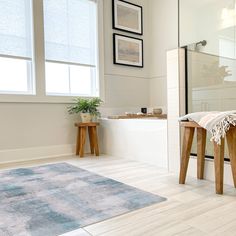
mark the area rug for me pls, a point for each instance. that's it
(54, 199)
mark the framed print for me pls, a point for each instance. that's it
(128, 51)
(127, 17)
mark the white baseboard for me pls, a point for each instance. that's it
(209, 172)
(34, 153)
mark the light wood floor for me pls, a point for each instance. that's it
(191, 209)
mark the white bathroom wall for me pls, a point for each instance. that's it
(163, 20)
(30, 130)
(176, 104)
(126, 88)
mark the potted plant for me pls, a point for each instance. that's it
(86, 107)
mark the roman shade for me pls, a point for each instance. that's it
(70, 31)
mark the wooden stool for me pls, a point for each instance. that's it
(189, 128)
(81, 137)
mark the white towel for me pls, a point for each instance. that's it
(217, 123)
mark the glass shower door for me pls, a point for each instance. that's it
(207, 31)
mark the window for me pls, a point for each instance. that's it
(16, 47)
(49, 50)
(70, 32)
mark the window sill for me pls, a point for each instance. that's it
(36, 99)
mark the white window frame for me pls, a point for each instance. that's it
(38, 62)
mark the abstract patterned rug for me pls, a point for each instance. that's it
(54, 199)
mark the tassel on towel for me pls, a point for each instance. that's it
(217, 123)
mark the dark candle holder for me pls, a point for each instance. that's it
(144, 110)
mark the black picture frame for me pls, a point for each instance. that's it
(117, 61)
(123, 28)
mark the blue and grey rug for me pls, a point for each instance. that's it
(58, 198)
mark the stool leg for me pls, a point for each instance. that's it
(201, 148)
(187, 144)
(219, 165)
(95, 140)
(82, 140)
(90, 131)
(78, 141)
(231, 140)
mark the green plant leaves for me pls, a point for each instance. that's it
(86, 105)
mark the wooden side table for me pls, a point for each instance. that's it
(189, 128)
(81, 137)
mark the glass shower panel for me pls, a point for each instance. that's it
(211, 85)
(207, 29)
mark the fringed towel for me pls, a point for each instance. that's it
(217, 123)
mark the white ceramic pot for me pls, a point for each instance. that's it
(157, 111)
(86, 117)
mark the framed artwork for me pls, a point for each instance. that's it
(127, 17)
(128, 51)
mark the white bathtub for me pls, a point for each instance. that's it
(143, 140)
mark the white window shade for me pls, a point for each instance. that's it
(15, 28)
(70, 31)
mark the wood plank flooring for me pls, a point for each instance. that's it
(191, 209)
